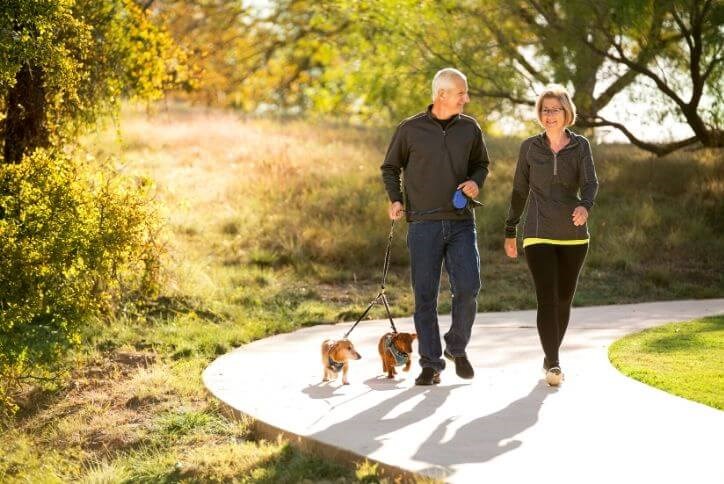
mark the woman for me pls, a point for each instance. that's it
(555, 170)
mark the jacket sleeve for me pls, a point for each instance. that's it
(395, 161)
(587, 180)
(478, 161)
(519, 196)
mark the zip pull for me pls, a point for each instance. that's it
(555, 163)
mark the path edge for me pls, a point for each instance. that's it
(309, 445)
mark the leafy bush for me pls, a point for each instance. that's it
(75, 240)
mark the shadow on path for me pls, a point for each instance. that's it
(364, 431)
(482, 439)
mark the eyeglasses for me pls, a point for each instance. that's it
(554, 111)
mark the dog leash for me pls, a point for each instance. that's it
(381, 296)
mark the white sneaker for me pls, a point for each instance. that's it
(554, 376)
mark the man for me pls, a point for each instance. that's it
(438, 152)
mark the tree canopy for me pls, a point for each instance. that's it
(65, 62)
(370, 59)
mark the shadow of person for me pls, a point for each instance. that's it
(364, 432)
(486, 437)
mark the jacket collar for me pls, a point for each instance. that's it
(542, 140)
(433, 118)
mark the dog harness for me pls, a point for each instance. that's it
(335, 366)
(400, 357)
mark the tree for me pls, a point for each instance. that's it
(79, 240)
(65, 62)
(599, 48)
(689, 42)
(373, 51)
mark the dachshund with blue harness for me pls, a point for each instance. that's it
(395, 349)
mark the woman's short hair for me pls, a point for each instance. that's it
(444, 79)
(558, 92)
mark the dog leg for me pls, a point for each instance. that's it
(344, 374)
(390, 367)
(407, 366)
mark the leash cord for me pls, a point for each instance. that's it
(381, 295)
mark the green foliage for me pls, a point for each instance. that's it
(87, 54)
(75, 244)
(373, 61)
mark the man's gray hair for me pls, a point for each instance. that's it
(444, 79)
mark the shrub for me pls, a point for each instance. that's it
(75, 239)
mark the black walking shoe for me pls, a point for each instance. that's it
(463, 368)
(428, 377)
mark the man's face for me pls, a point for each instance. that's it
(455, 97)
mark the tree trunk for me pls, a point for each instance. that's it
(25, 117)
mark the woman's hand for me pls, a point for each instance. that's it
(580, 215)
(511, 248)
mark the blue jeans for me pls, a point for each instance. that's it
(431, 242)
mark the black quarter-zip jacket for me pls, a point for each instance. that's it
(554, 184)
(433, 162)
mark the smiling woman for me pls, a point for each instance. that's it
(555, 170)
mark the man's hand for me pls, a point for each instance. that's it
(580, 215)
(395, 211)
(470, 188)
(511, 248)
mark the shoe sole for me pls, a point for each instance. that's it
(434, 381)
(452, 358)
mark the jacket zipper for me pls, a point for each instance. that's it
(555, 163)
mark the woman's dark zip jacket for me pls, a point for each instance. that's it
(554, 185)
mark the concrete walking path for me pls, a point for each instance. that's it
(506, 425)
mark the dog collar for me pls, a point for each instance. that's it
(400, 357)
(335, 366)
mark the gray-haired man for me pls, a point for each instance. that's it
(438, 152)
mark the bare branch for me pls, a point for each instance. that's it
(686, 33)
(597, 121)
(512, 50)
(501, 95)
(710, 68)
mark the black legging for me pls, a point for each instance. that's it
(555, 270)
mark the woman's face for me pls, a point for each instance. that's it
(552, 114)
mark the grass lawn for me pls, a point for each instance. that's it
(686, 359)
(273, 226)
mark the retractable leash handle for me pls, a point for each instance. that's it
(460, 202)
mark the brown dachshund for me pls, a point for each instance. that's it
(395, 349)
(335, 358)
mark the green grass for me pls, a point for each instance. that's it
(686, 359)
(272, 227)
